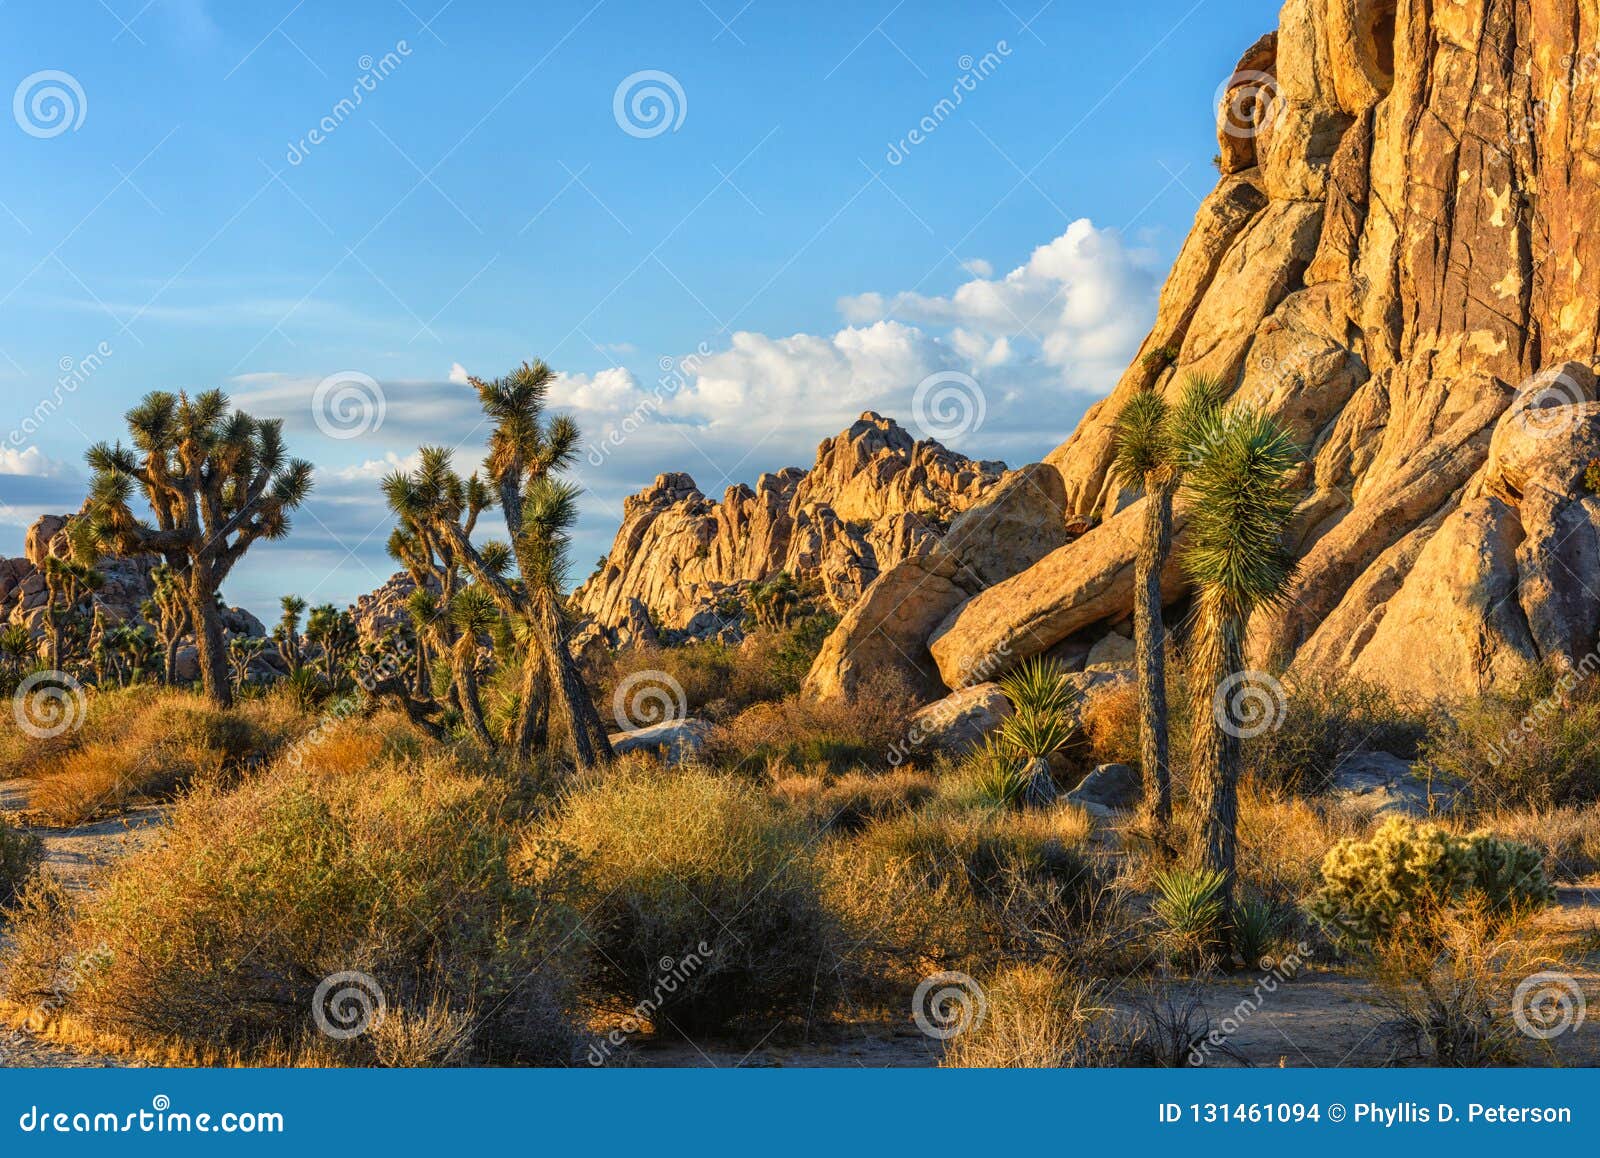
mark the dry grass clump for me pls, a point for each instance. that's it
(1033, 1017)
(702, 902)
(1568, 838)
(1324, 720)
(805, 734)
(217, 940)
(1452, 987)
(849, 802)
(1110, 718)
(146, 745)
(965, 890)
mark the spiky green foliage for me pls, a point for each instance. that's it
(1040, 685)
(995, 774)
(287, 634)
(217, 481)
(1406, 872)
(1240, 504)
(1190, 906)
(333, 632)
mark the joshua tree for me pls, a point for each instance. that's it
(168, 611)
(1154, 442)
(774, 601)
(334, 632)
(69, 581)
(1240, 487)
(217, 480)
(16, 649)
(426, 500)
(526, 454)
(242, 652)
(475, 614)
(287, 634)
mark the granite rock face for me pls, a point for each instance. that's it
(1394, 263)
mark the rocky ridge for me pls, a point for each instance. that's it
(874, 499)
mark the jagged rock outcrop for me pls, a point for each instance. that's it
(1396, 263)
(875, 497)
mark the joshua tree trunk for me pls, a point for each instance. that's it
(421, 684)
(465, 664)
(590, 745)
(1149, 644)
(1216, 753)
(209, 641)
(533, 715)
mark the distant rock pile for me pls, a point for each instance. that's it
(875, 498)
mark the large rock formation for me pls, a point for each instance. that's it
(874, 498)
(1395, 263)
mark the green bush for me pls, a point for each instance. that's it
(1406, 873)
(1535, 742)
(703, 903)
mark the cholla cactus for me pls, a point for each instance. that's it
(1407, 871)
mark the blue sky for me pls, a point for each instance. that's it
(721, 288)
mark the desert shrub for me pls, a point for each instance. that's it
(849, 802)
(948, 889)
(1110, 718)
(19, 857)
(1323, 721)
(1534, 742)
(1258, 927)
(1033, 1016)
(806, 734)
(1407, 873)
(698, 866)
(1568, 838)
(1450, 987)
(718, 679)
(223, 937)
(1283, 840)
(147, 746)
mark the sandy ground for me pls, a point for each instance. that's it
(1321, 1018)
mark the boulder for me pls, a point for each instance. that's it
(1114, 786)
(887, 630)
(1377, 783)
(961, 720)
(674, 741)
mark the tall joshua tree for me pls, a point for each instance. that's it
(1241, 494)
(1153, 447)
(69, 581)
(217, 481)
(527, 453)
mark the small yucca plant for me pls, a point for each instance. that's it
(1041, 721)
(1257, 929)
(998, 778)
(1189, 904)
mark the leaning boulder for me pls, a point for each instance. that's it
(959, 721)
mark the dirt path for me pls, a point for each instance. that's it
(71, 855)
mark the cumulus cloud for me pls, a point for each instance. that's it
(32, 462)
(458, 373)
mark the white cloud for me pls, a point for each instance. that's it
(977, 267)
(33, 463)
(458, 373)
